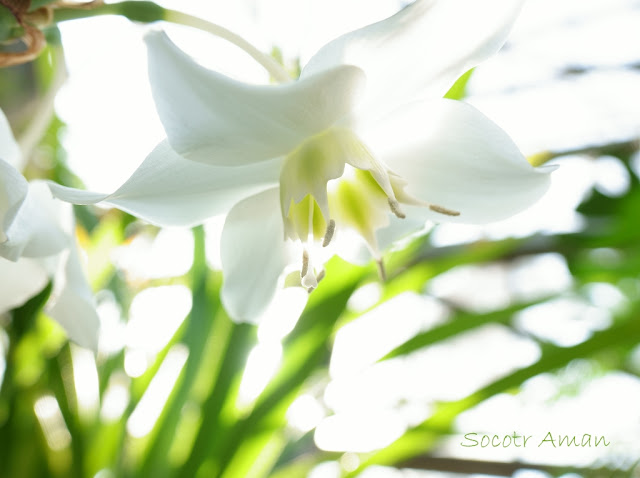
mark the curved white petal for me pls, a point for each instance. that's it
(420, 51)
(72, 304)
(454, 157)
(9, 150)
(19, 281)
(353, 248)
(253, 254)
(38, 229)
(169, 190)
(416, 221)
(13, 191)
(211, 118)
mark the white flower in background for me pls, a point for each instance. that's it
(362, 142)
(37, 245)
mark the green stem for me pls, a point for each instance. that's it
(149, 12)
(626, 146)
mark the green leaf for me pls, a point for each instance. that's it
(306, 350)
(459, 88)
(198, 328)
(25, 315)
(213, 434)
(460, 323)
(8, 24)
(426, 435)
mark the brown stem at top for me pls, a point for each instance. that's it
(34, 41)
(17, 7)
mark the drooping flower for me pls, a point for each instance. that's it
(37, 245)
(363, 141)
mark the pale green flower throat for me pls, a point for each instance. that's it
(313, 208)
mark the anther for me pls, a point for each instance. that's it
(305, 264)
(320, 276)
(443, 210)
(395, 208)
(381, 270)
(331, 228)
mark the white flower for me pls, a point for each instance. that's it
(362, 142)
(37, 245)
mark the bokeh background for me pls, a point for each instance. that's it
(526, 326)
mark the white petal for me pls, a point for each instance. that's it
(420, 51)
(169, 190)
(454, 157)
(211, 118)
(19, 281)
(254, 254)
(13, 191)
(9, 150)
(399, 229)
(72, 304)
(353, 248)
(38, 229)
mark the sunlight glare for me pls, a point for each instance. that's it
(282, 314)
(564, 321)
(135, 362)
(365, 297)
(262, 364)
(168, 254)
(611, 176)
(412, 313)
(116, 398)
(155, 315)
(305, 413)
(85, 378)
(52, 422)
(112, 326)
(150, 407)
(361, 432)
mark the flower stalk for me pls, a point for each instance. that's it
(149, 12)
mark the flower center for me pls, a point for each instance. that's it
(332, 181)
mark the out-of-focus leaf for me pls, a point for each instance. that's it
(306, 350)
(213, 433)
(25, 315)
(423, 437)
(106, 236)
(199, 324)
(412, 273)
(460, 323)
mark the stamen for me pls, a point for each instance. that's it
(443, 210)
(320, 275)
(381, 271)
(305, 264)
(331, 228)
(395, 208)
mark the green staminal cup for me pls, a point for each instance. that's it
(332, 181)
